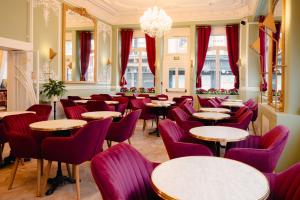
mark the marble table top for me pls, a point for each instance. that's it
(220, 110)
(211, 115)
(100, 114)
(57, 125)
(208, 178)
(219, 133)
(232, 104)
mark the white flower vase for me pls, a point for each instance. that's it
(54, 98)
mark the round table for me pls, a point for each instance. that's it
(101, 114)
(60, 127)
(218, 110)
(219, 134)
(232, 104)
(233, 100)
(209, 178)
(212, 116)
(8, 113)
(140, 97)
(112, 102)
(115, 95)
(82, 101)
(86, 98)
(163, 102)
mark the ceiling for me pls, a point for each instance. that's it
(129, 11)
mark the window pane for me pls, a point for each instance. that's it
(217, 41)
(147, 76)
(139, 42)
(209, 70)
(177, 45)
(181, 78)
(226, 76)
(132, 69)
(172, 77)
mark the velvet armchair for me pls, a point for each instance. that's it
(184, 120)
(74, 112)
(42, 111)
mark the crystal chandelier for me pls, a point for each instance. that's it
(155, 22)
(47, 5)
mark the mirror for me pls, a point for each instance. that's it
(79, 47)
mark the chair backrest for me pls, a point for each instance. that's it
(123, 103)
(245, 119)
(212, 103)
(99, 97)
(164, 96)
(180, 115)
(42, 111)
(249, 102)
(146, 100)
(218, 100)
(120, 131)
(137, 104)
(122, 173)
(286, 185)
(97, 106)
(72, 98)
(276, 137)
(170, 133)
(241, 111)
(203, 101)
(144, 95)
(254, 109)
(178, 100)
(67, 103)
(187, 106)
(75, 112)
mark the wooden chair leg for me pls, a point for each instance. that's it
(22, 161)
(13, 173)
(77, 178)
(73, 171)
(108, 143)
(69, 170)
(48, 168)
(129, 142)
(144, 125)
(39, 173)
(1, 151)
(253, 128)
(42, 167)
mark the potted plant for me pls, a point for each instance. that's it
(54, 89)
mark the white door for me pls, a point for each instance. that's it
(176, 64)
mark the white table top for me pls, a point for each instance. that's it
(57, 125)
(100, 114)
(8, 113)
(140, 97)
(85, 101)
(234, 100)
(86, 98)
(160, 105)
(115, 95)
(162, 98)
(209, 178)
(232, 104)
(220, 110)
(211, 115)
(219, 133)
(112, 102)
(163, 102)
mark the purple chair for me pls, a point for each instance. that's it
(242, 122)
(212, 103)
(162, 97)
(72, 98)
(92, 106)
(75, 112)
(184, 120)
(187, 106)
(99, 97)
(42, 111)
(123, 103)
(250, 102)
(23, 143)
(178, 143)
(203, 101)
(122, 173)
(285, 185)
(178, 100)
(261, 152)
(146, 111)
(67, 103)
(123, 130)
(76, 149)
(144, 95)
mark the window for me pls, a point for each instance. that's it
(216, 71)
(177, 78)
(138, 73)
(177, 45)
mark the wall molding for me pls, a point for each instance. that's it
(253, 89)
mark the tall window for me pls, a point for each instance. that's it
(138, 73)
(216, 72)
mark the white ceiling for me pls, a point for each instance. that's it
(129, 11)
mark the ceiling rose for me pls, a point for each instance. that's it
(155, 22)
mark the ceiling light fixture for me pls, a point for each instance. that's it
(155, 22)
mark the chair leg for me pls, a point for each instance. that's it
(48, 168)
(42, 167)
(129, 142)
(1, 151)
(73, 171)
(253, 128)
(77, 178)
(152, 123)
(13, 173)
(144, 125)
(69, 170)
(108, 143)
(39, 171)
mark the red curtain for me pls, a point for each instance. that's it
(85, 51)
(203, 39)
(126, 40)
(232, 35)
(276, 36)
(262, 38)
(151, 53)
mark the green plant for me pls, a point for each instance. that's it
(53, 88)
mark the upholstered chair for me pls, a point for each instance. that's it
(184, 120)
(146, 111)
(212, 103)
(75, 112)
(261, 152)
(123, 103)
(187, 106)
(67, 103)
(42, 111)
(124, 129)
(242, 122)
(72, 98)
(178, 143)
(122, 173)
(92, 106)
(178, 100)
(99, 97)
(23, 143)
(144, 95)
(162, 97)
(203, 101)
(76, 149)
(285, 185)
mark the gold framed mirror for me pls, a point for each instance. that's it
(79, 45)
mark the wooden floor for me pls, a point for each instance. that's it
(24, 186)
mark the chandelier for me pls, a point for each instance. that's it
(47, 5)
(155, 22)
